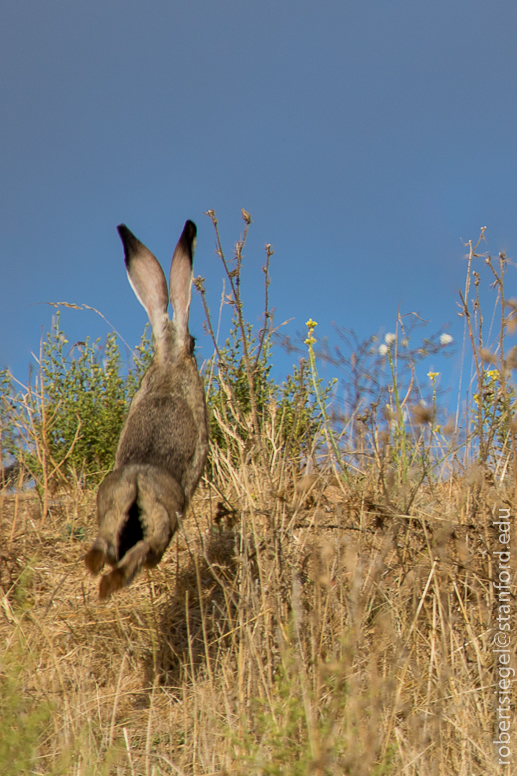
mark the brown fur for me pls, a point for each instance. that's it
(163, 445)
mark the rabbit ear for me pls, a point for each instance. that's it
(146, 278)
(180, 281)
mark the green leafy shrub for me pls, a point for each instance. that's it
(67, 423)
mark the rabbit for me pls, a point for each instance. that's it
(163, 445)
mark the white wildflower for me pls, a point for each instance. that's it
(389, 338)
(383, 349)
(445, 339)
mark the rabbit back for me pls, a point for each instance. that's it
(166, 425)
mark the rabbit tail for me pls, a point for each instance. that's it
(138, 508)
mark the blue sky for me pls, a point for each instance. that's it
(369, 139)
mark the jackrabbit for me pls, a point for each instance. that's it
(163, 445)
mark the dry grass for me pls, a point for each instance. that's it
(337, 622)
(301, 629)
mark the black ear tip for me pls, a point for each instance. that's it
(187, 241)
(129, 241)
(190, 230)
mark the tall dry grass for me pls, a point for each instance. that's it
(329, 612)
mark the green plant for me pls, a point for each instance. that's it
(23, 719)
(320, 398)
(495, 396)
(67, 423)
(251, 415)
(8, 434)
